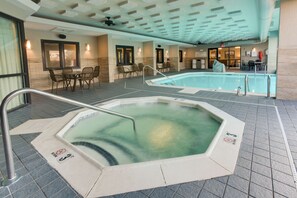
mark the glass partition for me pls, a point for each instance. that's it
(12, 69)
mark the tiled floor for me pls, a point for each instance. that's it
(263, 167)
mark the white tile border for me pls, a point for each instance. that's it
(92, 179)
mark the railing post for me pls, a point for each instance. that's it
(11, 175)
(268, 85)
(157, 72)
(246, 81)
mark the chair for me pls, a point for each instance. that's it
(56, 78)
(67, 78)
(124, 71)
(166, 66)
(141, 66)
(160, 67)
(136, 69)
(86, 76)
(96, 74)
(251, 64)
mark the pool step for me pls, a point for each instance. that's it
(114, 151)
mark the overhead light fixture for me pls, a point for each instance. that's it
(28, 44)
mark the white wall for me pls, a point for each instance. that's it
(39, 79)
(138, 53)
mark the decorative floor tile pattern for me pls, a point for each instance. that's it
(262, 170)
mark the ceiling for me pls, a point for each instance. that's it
(186, 21)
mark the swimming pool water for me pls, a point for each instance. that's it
(257, 83)
(163, 131)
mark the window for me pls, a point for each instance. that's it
(60, 54)
(125, 55)
(13, 61)
(180, 56)
(160, 55)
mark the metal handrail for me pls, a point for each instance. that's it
(246, 82)
(11, 175)
(268, 85)
(156, 71)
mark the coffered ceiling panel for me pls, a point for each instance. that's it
(188, 21)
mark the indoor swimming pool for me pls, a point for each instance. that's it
(230, 82)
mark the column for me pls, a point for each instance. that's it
(287, 52)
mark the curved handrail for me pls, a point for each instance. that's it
(11, 175)
(156, 71)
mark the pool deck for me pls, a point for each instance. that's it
(263, 168)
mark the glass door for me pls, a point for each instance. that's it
(12, 70)
(212, 56)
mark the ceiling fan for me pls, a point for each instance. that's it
(109, 22)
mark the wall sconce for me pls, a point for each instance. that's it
(167, 53)
(254, 49)
(28, 44)
(139, 50)
(185, 53)
(87, 47)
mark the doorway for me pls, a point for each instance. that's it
(229, 56)
(212, 56)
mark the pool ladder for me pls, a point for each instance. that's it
(11, 175)
(143, 80)
(246, 84)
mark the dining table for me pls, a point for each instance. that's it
(73, 76)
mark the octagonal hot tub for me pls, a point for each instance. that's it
(176, 141)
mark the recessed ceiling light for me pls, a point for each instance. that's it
(155, 15)
(192, 20)
(218, 9)
(174, 10)
(211, 16)
(175, 17)
(240, 21)
(194, 13)
(226, 19)
(235, 13)
(151, 7)
(96, 16)
(197, 4)
(139, 19)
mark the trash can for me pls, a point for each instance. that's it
(194, 65)
(199, 63)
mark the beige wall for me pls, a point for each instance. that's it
(39, 79)
(201, 52)
(287, 51)
(259, 47)
(149, 55)
(174, 57)
(138, 53)
(182, 65)
(104, 60)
